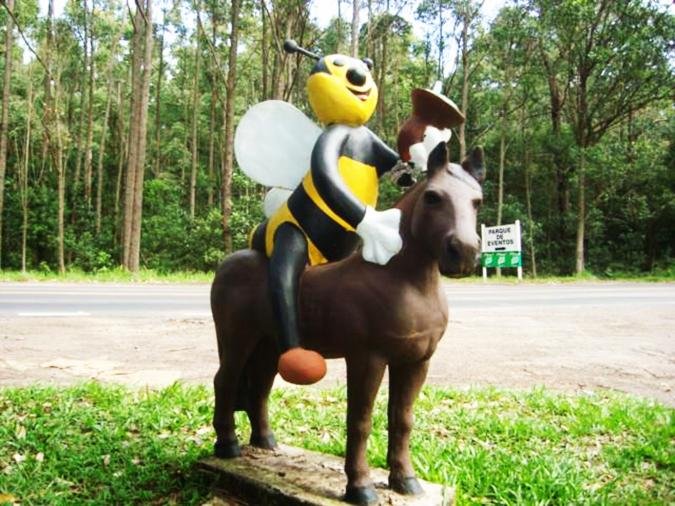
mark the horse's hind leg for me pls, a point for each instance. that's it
(225, 385)
(405, 382)
(364, 375)
(228, 391)
(261, 370)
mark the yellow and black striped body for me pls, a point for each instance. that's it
(328, 205)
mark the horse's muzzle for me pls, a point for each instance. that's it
(458, 258)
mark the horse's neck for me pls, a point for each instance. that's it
(413, 262)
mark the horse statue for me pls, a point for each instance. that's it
(372, 315)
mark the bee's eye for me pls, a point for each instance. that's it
(338, 62)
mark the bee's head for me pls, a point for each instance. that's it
(341, 88)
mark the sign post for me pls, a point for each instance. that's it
(500, 247)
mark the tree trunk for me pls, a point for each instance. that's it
(228, 113)
(441, 44)
(502, 160)
(61, 185)
(53, 128)
(90, 111)
(339, 27)
(581, 218)
(134, 260)
(23, 172)
(120, 160)
(265, 52)
(104, 133)
(212, 143)
(4, 121)
(215, 86)
(83, 86)
(355, 28)
(500, 183)
(382, 75)
(461, 136)
(194, 137)
(132, 145)
(369, 31)
(528, 199)
(158, 101)
(142, 61)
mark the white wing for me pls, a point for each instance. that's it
(273, 144)
(274, 199)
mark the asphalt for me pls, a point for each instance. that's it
(571, 337)
(132, 300)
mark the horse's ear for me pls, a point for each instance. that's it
(474, 165)
(438, 158)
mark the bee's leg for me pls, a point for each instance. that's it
(288, 260)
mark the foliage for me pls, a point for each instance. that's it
(93, 444)
(609, 64)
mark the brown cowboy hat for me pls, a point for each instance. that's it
(436, 109)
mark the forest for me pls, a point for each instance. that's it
(118, 119)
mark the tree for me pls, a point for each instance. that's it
(196, 100)
(615, 63)
(90, 105)
(141, 70)
(524, 104)
(467, 13)
(228, 125)
(354, 48)
(23, 171)
(4, 120)
(104, 134)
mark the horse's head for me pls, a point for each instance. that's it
(444, 215)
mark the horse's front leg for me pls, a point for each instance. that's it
(364, 375)
(405, 382)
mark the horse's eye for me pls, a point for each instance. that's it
(477, 203)
(431, 198)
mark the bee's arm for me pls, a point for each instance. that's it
(384, 158)
(327, 179)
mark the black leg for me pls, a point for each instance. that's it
(288, 260)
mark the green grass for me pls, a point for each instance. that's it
(118, 275)
(96, 444)
(509, 276)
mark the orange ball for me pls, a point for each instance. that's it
(301, 366)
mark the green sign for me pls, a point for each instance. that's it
(501, 259)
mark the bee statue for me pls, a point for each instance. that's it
(324, 189)
(382, 307)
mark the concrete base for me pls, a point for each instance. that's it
(290, 476)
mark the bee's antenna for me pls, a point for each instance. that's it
(290, 46)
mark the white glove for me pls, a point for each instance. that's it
(419, 152)
(379, 231)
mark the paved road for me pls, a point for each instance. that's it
(566, 336)
(133, 300)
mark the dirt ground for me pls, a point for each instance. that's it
(631, 349)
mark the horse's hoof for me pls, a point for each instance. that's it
(265, 442)
(406, 486)
(363, 496)
(226, 450)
